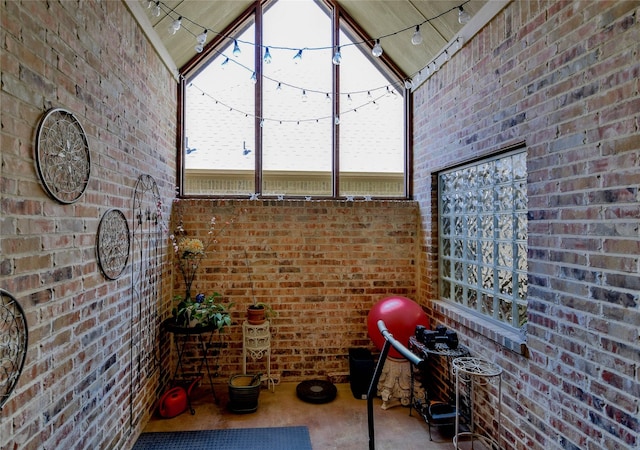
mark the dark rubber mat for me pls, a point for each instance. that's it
(280, 438)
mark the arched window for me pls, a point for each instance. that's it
(267, 112)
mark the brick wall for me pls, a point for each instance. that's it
(321, 265)
(562, 77)
(91, 58)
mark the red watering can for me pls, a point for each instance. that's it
(175, 401)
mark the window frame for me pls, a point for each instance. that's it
(338, 17)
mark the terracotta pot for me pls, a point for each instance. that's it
(256, 316)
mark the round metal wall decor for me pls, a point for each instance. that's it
(13, 344)
(62, 156)
(112, 243)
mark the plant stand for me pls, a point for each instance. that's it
(181, 335)
(474, 379)
(257, 345)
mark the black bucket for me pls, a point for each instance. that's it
(361, 368)
(244, 391)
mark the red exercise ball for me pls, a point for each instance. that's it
(400, 315)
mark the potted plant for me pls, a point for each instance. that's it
(204, 311)
(257, 312)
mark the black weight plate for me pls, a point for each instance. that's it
(316, 391)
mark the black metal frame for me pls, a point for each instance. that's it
(405, 352)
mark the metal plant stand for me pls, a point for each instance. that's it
(475, 377)
(257, 345)
(182, 337)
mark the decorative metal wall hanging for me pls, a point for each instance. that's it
(112, 243)
(62, 156)
(13, 344)
(146, 270)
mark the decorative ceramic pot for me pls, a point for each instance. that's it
(244, 391)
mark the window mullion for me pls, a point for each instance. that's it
(335, 151)
(259, 108)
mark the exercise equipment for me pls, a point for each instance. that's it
(401, 315)
(389, 341)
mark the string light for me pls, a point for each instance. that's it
(236, 48)
(201, 40)
(377, 49)
(463, 16)
(156, 7)
(373, 102)
(337, 57)
(175, 26)
(416, 39)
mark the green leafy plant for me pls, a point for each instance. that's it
(204, 311)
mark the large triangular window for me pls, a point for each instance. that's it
(266, 112)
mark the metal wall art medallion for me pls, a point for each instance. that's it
(13, 344)
(62, 156)
(112, 243)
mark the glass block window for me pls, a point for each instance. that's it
(483, 238)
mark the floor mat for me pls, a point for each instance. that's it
(280, 438)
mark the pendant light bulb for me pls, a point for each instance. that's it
(298, 57)
(175, 25)
(463, 16)
(254, 78)
(201, 39)
(408, 84)
(337, 120)
(157, 11)
(236, 49)
(416, 39)
(377, 49)
(337, 57)
(267, 56)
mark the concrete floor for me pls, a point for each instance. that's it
(338, 425)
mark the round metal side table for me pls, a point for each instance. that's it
(478, 379)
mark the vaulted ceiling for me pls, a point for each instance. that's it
(392, 20)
